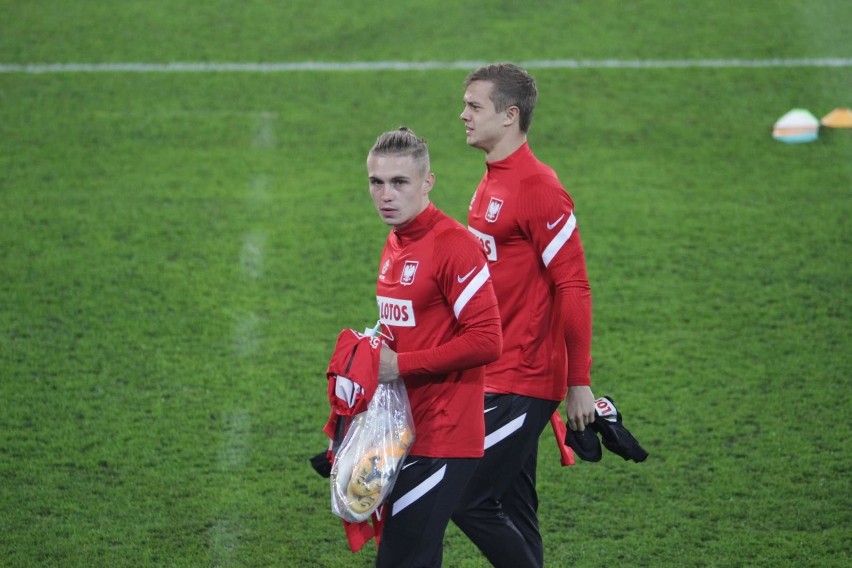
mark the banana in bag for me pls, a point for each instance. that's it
(367, 462)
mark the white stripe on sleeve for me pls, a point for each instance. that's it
(472, 288)
(419, 491)
(559, 240)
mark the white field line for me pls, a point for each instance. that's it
(264, 136)
(283, 67)
(233, 454)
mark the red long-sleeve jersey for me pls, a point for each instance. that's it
(438, 310)
(525, 221)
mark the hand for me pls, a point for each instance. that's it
(580, 407)
(388, 367)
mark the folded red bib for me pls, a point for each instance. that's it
(353, 372)
(353, 375)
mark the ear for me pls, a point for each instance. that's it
(512, 114)
(428, 183)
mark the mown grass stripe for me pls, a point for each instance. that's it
(283, 67)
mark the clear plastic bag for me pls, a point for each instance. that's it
(367, 462)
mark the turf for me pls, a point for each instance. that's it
(179, 251)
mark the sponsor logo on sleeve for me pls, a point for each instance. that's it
(461, 278)
(551, 226)
(393, 311)
(470, 289)
(559, 240)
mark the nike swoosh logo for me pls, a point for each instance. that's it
(487, 410)
(409, 464)
(466, 276)
(551, 225)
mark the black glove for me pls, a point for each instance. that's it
(585, 444)
(616, 438)
(321, 464)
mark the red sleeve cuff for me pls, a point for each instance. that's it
(579, 381)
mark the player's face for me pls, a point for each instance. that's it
(484, 126)
(399, 187)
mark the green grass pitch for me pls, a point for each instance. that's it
(179, 250)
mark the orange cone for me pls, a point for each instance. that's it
(838, 118)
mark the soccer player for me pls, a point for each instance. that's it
(440, 319)
(525, 222)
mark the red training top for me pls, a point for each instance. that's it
(525, 221)
(438, 309)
